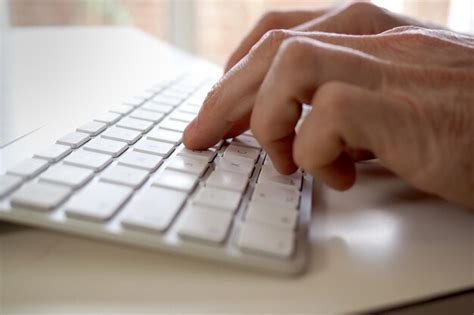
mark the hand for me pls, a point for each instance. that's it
(405, 96)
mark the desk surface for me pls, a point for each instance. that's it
(377, 245)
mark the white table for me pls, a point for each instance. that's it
(377, 245)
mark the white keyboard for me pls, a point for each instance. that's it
(126, 177)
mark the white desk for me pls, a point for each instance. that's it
(363, 257)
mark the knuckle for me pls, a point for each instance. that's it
(402, 29)
(418, 36)
(269, 42)
(411, 35)
(361, 8)
(275, 36)
(294, 49)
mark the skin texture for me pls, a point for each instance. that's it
(380, 85)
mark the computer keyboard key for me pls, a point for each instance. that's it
(167, 100)
(267, 161)
(123, 175)
(189, 109)
(122, 109)
(146, 95)
(158, 134)
(106, 146)
(276, 194)
(169, 92)
(246, 141)
(153, 210)
(40, 196)
(260, 212)
(92, 128)
(242, 152)
(265, 239)
(218, 145)
(135, 124)
(74, 139)
(156, 107)
(139, 160)
(29, 168)
(70, 176)
(270, 174)
(91, 160)
(9, 183)
(138, 100)
(235, 164)
(227, 180)
(97, 202)
(181, 116)
(188, 164)
(249, 133)
(54, 152)
(159, 87)
(154, 147)
(204, 224)
(207, 155)
(180, 90)
(225, 200)
(173, 125)
(147, 115)
(108, 118)
(184, 182)
(121, 134)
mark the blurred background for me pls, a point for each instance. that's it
(209, 28)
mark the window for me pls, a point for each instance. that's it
(209, 28)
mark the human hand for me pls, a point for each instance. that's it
(405, 96)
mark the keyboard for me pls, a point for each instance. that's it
(126, 177)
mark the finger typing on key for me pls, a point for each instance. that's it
(380, 85)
